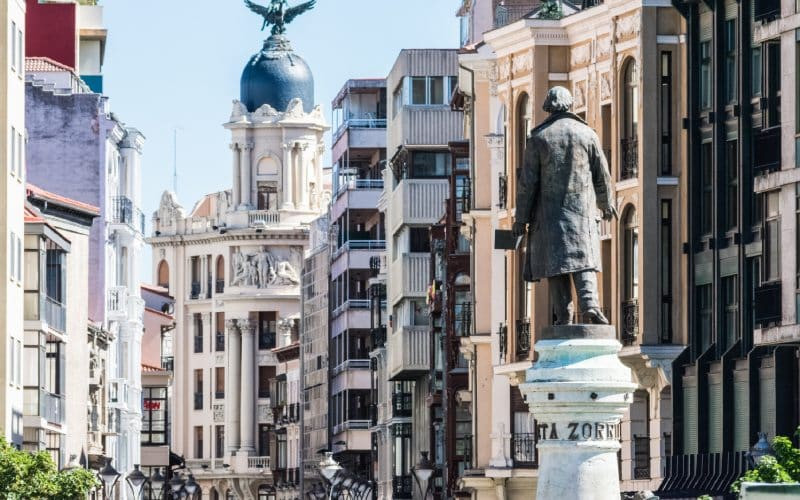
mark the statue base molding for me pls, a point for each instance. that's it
(578, 391)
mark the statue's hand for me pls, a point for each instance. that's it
(519, 229)
(610, 213)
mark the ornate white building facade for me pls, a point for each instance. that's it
(234, 266)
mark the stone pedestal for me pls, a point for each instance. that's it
(578, 391)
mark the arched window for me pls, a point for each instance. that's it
(229, 495)
(220, 274)
(163, 274)
(630, 277)
(523, 126)
(213, 494)
(630, 121)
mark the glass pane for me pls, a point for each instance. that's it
(437, 90)
(418, 91)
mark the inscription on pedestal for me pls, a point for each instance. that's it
(579, 431)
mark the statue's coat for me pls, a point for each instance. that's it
(564, 180)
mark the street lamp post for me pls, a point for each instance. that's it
(422, 473)
(109, 477)
(330, 468)
(157, 481)
(136, 480)
(759, 450)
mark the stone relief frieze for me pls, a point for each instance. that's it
(628, 26)
(581, 55)
(522, 62)
(605, 86)
(504, 69)
(603, 48)
(265, 414)
(266, 269)
(579, 94)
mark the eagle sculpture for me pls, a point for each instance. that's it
(279, 14)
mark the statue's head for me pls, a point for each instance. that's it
(558, 100)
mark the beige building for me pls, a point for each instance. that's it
(12, 155)
(623, 62)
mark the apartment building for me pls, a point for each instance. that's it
(623, 62)
(314, 356)
(420, 125)
(739, 374)
(234, 265)
(78, 149)
(359, 158)
(70, 33)
(56, 381)
(12, 154)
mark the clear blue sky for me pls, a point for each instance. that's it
(176, 64)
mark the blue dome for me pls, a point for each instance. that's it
(275, 76)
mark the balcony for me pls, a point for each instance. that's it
(40, 307)
(502, 192)
(257, 218)
(709, 473)
(117, 303)
(220, 288)
(362, 304)
(629, 161)
(767, 299)
(463, 319)
(523, 339)
(641, 457)
(411, 278)
(356, 194)
(630, 321)
(195, 292)
(355, 254)
(402, 486)
(123, 211)
(767, 10)
(417, 201)
(523, 450)
(48, 406)
(505, 15)
(198, 400)
(379, 337)
(219, 342)
(409, 353)
(261, 463)
(198, 344)
(351, 425)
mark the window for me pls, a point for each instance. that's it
(265, 375)
(397, 100)
(436, 89)
(20, 52)
(453, 84)
(198, 389)
(770, 101)
(402, 449)
(629, 152)
(429, 164)
(198, 442)
(704, 310)
(267, 330)
(631, 254)
(706, 189)
(419, 90)
(12, 165)
(12, 257)
(705, 75)
(771, 237)
(154, 415)
(13, 46)
(267, 196)
(198, 333)
(755, 69)
(419, 240)
(730, 296)
(263, 440)
(666, 271)
(730, 60)
(523, 127)
(731, 186)
(282, 451)
(666, 113)
(430, 91)
(219, 339)
(219, 441)
(20, 155)
(219, 377)
(418, 313)
(163, 274)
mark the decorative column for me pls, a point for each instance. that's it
(578, 391)
(246, 195)
(302, 183)
(236, 176)
(248, 408)
(233, 389)
(288, 171)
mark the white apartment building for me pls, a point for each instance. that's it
(12, 157)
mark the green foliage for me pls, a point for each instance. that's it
(784, 467)
(551, 9)
(34, 476)
(705, 497)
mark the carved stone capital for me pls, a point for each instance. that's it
(230, 325)
(247, 326)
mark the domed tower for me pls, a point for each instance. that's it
(277, 131)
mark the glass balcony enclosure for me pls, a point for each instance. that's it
(45, 277)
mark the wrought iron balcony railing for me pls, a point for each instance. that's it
(198, 400)
(401, 486)
(523, 450)
(502, 192)
(630, 321)
(195, 293)
(123, 211)
(629, 167)
(523, 339)
(402, 404)
(219, 342)
(502, 332)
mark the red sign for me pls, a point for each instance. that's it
(149, 404)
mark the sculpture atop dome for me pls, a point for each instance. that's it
(279, 14)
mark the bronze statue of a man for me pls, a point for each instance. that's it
(563, 183)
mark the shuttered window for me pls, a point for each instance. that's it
(714, 413)
(741, 411)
